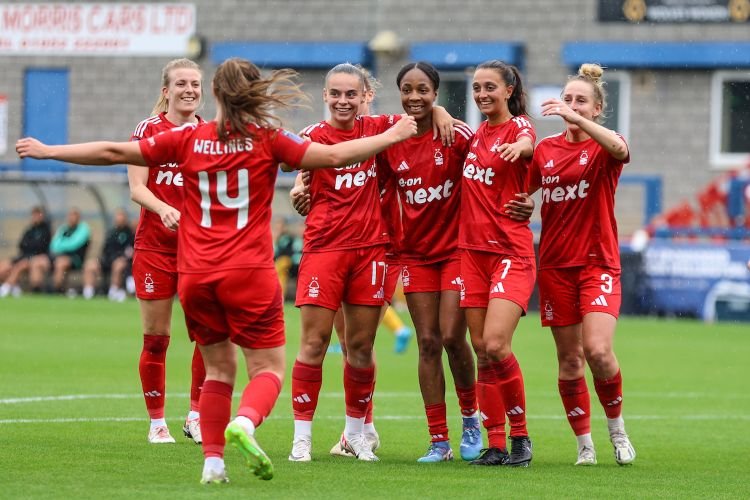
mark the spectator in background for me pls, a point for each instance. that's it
(287, 252)
(33, 247)
(67, 249)
(117, 254)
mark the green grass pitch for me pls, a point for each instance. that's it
(73, 423)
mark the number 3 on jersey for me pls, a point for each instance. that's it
(240, 202)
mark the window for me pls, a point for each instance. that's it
(730, 119)
(617, 114)
(456, 97)
(46, 111)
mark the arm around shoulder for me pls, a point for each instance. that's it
(348, 152)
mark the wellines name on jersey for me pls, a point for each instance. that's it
(209, 147)
(563, 193)
(426, 194)
(356, 179)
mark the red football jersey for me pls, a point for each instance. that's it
(428, 179)
(578, 181)
(345, 208)
(228, 188)
(391, 208)
(489, 183)
(165, 181)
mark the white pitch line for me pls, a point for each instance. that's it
(80, 397)
(63, 420)
(340, 395)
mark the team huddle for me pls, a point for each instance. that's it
(385, 198)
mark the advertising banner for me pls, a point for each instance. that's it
(104, 29)
(674, 11)
(694, 278)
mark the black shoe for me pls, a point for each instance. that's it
(491, 456)
(520, 451)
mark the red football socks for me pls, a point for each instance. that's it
(151, 367)
(215, 408)
(368, 415)
(610, 394)
(259, 397)
(491, 407)
(577, 404)
(437, 422)
(306, 382)
(467, 400)
(358, 387)
(198, 370)
(510, 380)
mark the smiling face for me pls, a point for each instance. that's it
(344, 94)
(184, 91)
(491, 94)
(418, 94)
(579, 95)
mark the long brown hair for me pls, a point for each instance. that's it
(162, 104)
(245, 97)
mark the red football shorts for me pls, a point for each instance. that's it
(489, 275)
(392, 275)
(155, 275)
(435, 277)
(355, 276)
(243, 305)
(566, 295)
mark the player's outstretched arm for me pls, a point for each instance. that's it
(86, 153)
(348, 152)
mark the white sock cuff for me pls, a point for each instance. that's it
(302, 428)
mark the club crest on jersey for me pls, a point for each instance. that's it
(461, 286)
(405, 277)
(148, 283)
(313, 289)
(584, 158)
(438, 158)
(495, 146)
(549, 313)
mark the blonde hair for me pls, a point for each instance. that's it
(245, 97)
(591, 73)
(372, 84)
(348, 69)
(162, 104)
